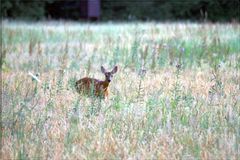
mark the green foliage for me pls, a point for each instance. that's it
(213, 10)
(171, 111)
(23, 9)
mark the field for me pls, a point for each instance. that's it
(176, 94)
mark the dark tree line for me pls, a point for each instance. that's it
(197, 10)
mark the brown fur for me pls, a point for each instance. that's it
(98, 88)
(91, 86)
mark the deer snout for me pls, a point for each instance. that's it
(109, 78)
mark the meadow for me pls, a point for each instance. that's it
(176, 94)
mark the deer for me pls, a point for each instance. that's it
(94, 87)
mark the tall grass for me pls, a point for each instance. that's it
(176, 95)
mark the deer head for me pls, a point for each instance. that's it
(109, 75)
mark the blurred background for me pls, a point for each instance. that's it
(122, 10)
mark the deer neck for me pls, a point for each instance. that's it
(105, 84)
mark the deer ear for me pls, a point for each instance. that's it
(114, 70)
(103, 69)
